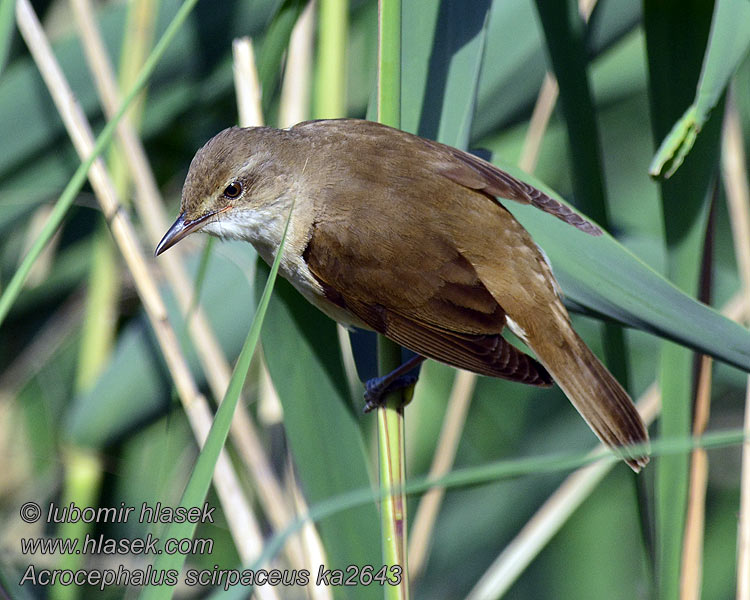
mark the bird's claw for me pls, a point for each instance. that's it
(378, 388)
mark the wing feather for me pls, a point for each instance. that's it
(445, 312)
(477, 174)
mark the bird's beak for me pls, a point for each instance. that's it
(180, 228)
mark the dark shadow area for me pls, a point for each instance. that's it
(456, 26)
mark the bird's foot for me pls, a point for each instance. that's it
(378, 388)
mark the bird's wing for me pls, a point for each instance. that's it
(461, 167)
(434, 305)
(477, 174)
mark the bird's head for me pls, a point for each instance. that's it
(233, 180)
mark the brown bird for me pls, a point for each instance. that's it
(405, 236)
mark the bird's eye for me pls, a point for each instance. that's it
(233, 190)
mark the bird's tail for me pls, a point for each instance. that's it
(595, 393)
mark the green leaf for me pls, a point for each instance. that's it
(275, 43)
(442, 61)
(727, 46)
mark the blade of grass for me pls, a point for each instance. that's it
(390, 414)
(329, 93)
(200, 479)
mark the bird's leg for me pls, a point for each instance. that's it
(377, 388)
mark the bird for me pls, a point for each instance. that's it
(408, 237)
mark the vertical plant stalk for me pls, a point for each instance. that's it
(246, 84)
(82, 481)
(738, 196)
(104, 282)
(329, 100)
(391, 413)
(675, 49)
(392, 478)
(445, 453)
(294, 103)
(691, 575)
(542, 113)
(695, 517)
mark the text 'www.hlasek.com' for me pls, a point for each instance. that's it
(110, 561)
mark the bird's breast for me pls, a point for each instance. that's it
(295, 270)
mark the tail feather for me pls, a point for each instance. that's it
(596, 394)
